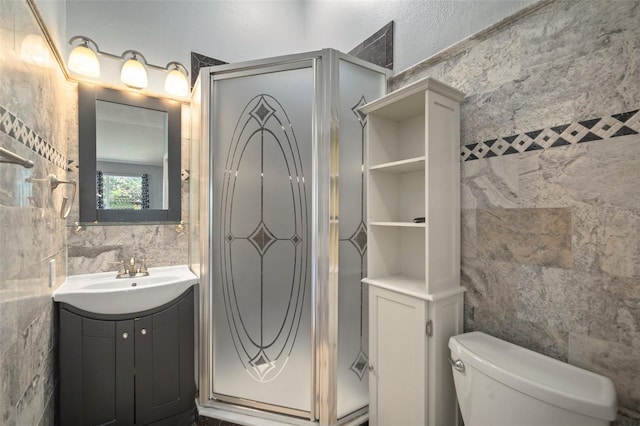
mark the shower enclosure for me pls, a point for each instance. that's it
(278, 234)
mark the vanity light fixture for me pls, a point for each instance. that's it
(133, 72)
(176, 81)
(83, 60)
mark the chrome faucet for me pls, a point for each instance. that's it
(131, 270)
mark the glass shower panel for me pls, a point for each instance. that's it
(357, 86)
(261, 295)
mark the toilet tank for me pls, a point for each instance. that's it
(505, 384)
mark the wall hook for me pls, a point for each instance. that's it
(180, 226)
(65, 209)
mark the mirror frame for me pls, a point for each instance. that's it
(87, 97)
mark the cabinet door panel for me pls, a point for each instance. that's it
(164, 363)
(95, 389)
(398, 356)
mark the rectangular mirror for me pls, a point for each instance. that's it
(129, 156)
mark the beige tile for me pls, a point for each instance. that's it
(528, 236)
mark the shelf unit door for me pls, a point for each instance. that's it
(446, 316)
(397, 350)
(442, 180)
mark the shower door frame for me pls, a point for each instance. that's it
(324, 234)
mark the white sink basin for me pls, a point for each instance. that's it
(103, 293)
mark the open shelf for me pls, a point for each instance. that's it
(402, 166)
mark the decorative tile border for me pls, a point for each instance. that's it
(15, 128)
(627, 123)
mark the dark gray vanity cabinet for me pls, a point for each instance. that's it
(128, 369)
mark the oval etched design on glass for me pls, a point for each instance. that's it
(264, 244)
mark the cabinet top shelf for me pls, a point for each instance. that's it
(411, 286)
(409, 101)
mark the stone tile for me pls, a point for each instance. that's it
(627, 418)
(528, 236)
(537, 337)
(564, 299)
(489, 183)
(614, 360)
(618, 70)
(622, 296)
(468, 233)
(489, 115)
(613, 171)
(570, 30)
(554, 98)
(618, 245)
(491, 289)
(584, 239)
(49, 416)
(556, 177)
(98, 245)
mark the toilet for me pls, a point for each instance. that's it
(500, 384)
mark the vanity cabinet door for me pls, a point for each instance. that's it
(165, 383)
(96, 371)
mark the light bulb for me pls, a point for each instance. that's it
(176, 83)
(134, 74)
(84, 61)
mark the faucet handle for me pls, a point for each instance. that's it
(132, 266)
(120, 264)
(143, 266)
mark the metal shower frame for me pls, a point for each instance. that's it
(324, 244)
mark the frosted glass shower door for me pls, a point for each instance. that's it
(261, 297)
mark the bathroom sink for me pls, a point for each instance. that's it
(103, 293)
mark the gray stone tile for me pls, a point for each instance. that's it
(619, 245)
(610, 359)
(564, 299)
(99, 245)
(554, 98)
(491, 289)
(468, 233)
(489, 183)
(627, 418)
(622, 296)
(618, 70)
(489, 115)
(584, 239)
(528, 236)
(613, 171)
(556, 177)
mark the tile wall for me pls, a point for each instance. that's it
(34, 123)
(550, 169)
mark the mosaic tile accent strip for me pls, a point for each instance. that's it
(16, 129)
(597, 129)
